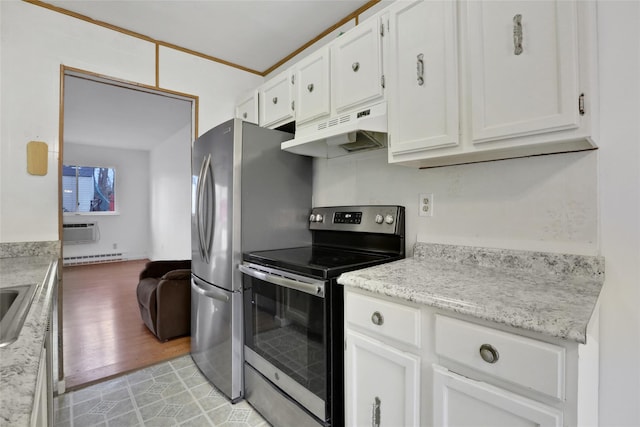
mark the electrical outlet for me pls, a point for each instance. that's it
(426, 204)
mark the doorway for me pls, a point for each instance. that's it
(137, 139)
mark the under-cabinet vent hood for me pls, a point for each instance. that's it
(361, 130)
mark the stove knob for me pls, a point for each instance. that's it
(388, 219)
(379, 219)
(319, 218)
(312, 218)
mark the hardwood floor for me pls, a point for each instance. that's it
(103, 333)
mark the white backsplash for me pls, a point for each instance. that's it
(544, 203)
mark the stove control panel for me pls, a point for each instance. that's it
(366, 219)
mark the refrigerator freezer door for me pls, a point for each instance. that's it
(216, 336)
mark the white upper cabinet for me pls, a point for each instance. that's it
(517, 78)
(312, 87)
(276, 100)
(356, 66)
(523, 64)
(422, 76)
(247, 107)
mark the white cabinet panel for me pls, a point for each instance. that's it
(423, 76)
(382, 384)
(460, 401)
(384, 318)
(247, 108)
(276, 100)
(356, 64)
(312, 88)
(533, 364)
(523, 64)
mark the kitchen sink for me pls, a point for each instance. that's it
(15, 302)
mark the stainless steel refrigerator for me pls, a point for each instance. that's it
(247, 194)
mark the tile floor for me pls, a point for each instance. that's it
(171, 393)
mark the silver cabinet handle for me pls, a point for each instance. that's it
(244, 115)
(310, 87)
(355, 67)
(517, 34)
(375, 412)
(420, 69)
(293, 105)
(377, 318)
(488, 353)
(275, 100)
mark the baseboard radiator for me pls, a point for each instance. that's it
(82, 232)
(94, 259)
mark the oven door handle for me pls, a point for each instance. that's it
(316, 289)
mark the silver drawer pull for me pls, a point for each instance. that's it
(244, 115)
(420, 69)
(517, 34)
(275, 100)
(375, 412)
(488, 353)
(310, 87)
(377, 318)
(355, 66)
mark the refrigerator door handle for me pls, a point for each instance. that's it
(210, 208)
(203, 210)
(199, 213)
(220, 296)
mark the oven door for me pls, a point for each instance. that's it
(286, 333)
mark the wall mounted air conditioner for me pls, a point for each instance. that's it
(85, 232)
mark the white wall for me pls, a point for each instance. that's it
(619, 201)
(128, 231)
(170, 193)
(34, 42)
(538, 203)
(217, 85)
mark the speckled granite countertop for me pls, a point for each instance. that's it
(20, 360)
(552, 294)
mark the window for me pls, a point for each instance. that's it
(88, 189)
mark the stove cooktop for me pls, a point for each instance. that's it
(317, 261)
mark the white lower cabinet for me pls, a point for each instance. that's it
(410, 365)
(460, 401)
(382, 384)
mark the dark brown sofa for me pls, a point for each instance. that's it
(164, 298)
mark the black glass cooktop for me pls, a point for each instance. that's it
(317, 261)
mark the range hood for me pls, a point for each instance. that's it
(354, 132)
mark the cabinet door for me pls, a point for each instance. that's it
(460, 401)
(276, 100)
(523, 67)
(247, 108)
(312, 88)
(382, 384)
(356, 64)
(423, 76)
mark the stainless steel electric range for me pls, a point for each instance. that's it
(293, 312)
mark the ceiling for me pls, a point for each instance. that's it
(107, 115)
(255, 34)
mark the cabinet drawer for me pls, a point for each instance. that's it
(524, 361)
(384, 318)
